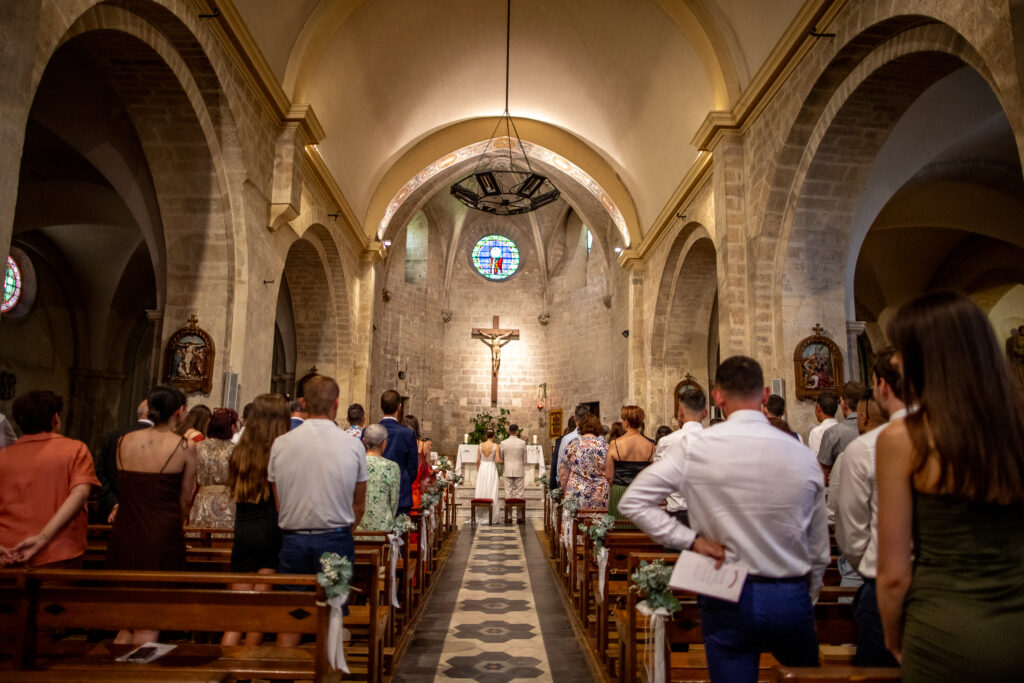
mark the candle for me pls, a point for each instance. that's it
(465, 438)
(534, 439)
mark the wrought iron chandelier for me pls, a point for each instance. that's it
(512, 190)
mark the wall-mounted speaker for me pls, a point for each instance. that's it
(779, 386)
(231, 390)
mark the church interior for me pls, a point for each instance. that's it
(733, 177)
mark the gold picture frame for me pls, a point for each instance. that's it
(555, 423)
(817, 366)
(188, 359)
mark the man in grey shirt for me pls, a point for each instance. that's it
(837, 438)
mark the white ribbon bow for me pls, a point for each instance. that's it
(335, 634)
(554, 514)
(602, 566)
(655, 661)
(566, 529)
(424, 544)
(396, 544)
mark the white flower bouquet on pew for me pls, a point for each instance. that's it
(334, 575)
(651, 579)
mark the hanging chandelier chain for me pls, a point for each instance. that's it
(505, 192)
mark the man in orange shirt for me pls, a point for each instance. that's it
(45, 480)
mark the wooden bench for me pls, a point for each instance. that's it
(173, 601)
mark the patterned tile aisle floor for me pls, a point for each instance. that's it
(495, 617)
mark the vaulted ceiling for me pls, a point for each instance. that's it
(618, 87)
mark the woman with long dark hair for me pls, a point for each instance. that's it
(951, 500)
(156, 480)
(424, 474)
(257, 540)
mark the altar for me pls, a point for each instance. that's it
(465, 462)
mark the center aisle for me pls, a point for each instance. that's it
(496, 616)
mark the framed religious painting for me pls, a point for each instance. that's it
(554, 423)
(188, 359)
(689, 382)
(818, 365)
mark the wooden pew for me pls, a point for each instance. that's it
(373, 626)
(176, 601)
(619, 544)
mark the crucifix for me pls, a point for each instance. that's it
(495, 338)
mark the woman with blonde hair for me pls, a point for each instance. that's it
(951, 499)
(257, 536)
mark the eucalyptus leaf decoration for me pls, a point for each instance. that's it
(598, 530)
(651, 579)
(430, 498)
(555, 495)
(334, 575)
(571, 505)
(402, 524)
(457, 478)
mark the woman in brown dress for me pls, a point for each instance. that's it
(156, 477)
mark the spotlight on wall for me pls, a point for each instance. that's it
(618, 250)
(625, 333)
(401, 374)
(387, 243)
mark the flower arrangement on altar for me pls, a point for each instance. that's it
(598, 530)
(651, 579)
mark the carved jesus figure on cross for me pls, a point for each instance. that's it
(495, 338)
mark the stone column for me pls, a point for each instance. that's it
(156, 316)
(854, 328)
(92, 410)
(734, 268)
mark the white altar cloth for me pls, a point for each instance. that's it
(467, 455)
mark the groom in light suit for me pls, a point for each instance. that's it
(513, 452)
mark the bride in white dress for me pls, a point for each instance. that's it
(487, 457)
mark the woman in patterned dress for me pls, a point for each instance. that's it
(383, 482)
(583, 472)
(213, 507)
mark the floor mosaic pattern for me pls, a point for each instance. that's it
(496, 616)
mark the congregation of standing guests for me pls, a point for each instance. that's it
(926, 492)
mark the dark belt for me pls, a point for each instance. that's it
(314, 532)
(771, 579)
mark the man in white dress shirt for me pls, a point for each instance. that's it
(693, 408)
(857, 514)
(756, 497)
(825, 413)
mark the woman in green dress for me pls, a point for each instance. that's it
(951, 500)
(383, 480)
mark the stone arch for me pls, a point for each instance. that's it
(308, 275)
(836, 137)
(881, 65)
(161, 151)
(683, 315)
(156, 58)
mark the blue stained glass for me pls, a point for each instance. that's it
(496, 257)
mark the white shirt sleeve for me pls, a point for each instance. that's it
(818, 544)
(640, 502)
(853, 509)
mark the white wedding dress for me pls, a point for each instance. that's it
(486, 483)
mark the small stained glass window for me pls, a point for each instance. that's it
(496, 257)
(12, 285)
